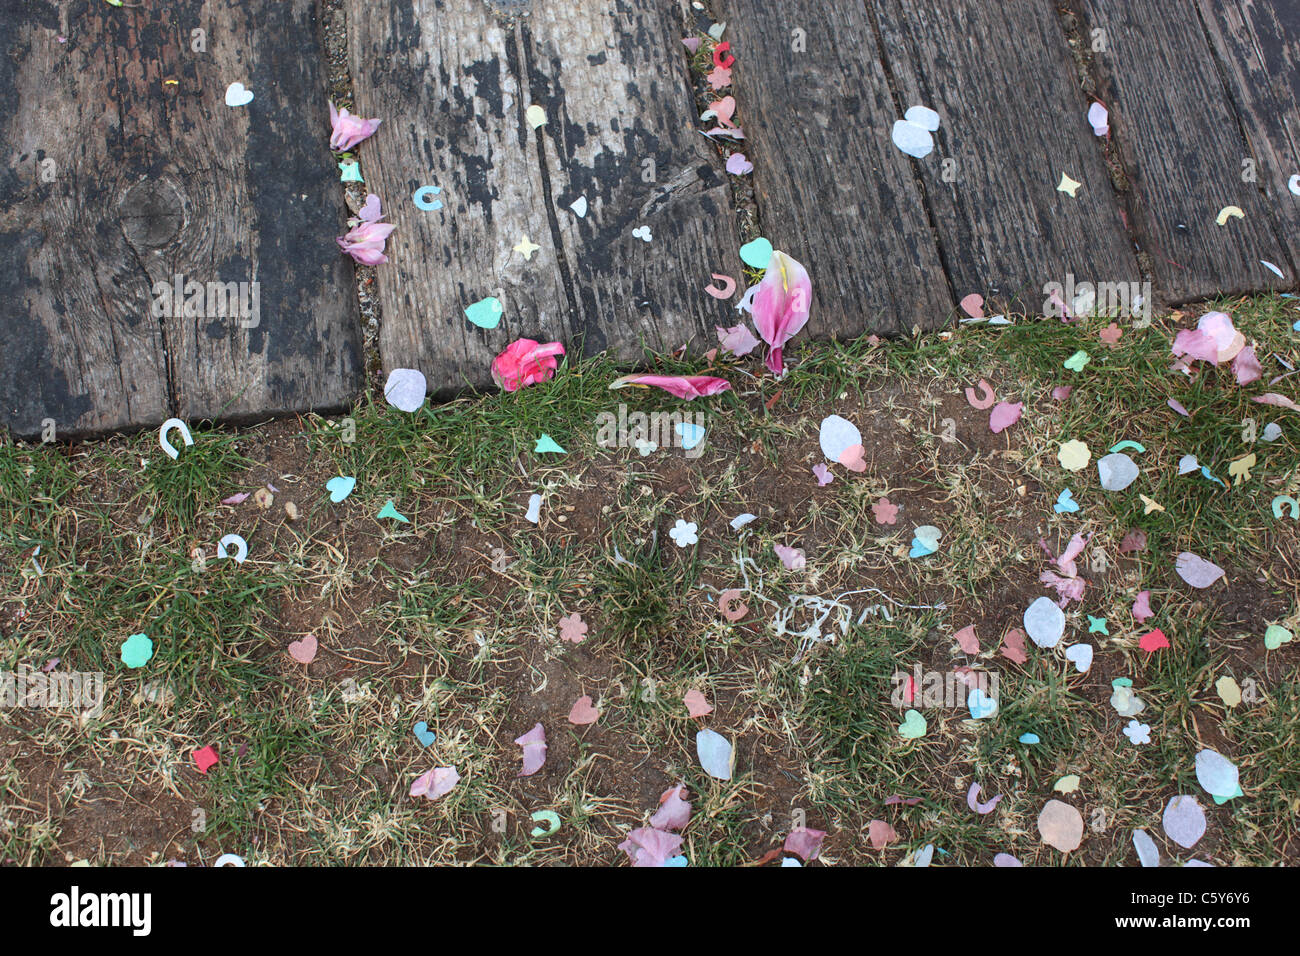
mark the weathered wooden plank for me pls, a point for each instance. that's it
(452, 80)
(155, 177)
(1012, 122)
(1183, 151)
(831, 187)
(1258, 46)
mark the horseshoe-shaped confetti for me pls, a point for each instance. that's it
(170, 425)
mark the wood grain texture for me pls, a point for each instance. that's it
(1258, 47)
(153, 180)
(832, 189)
(1183, 150)
(1013, 121)
(452, 80)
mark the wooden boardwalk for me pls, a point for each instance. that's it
(126, 171)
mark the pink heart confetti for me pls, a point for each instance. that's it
(853, 458)
(739, 165)
(304, 651)
(973, 305)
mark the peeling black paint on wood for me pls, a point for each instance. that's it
(453, 81)
(152, 180)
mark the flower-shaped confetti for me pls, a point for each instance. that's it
(1138, 733)
(573, 629)
(684, 533)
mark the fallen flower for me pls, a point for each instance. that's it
(364, 242)
(737, 340)
(650, 847)
(525, 362)
(781, 305)
(349, 129)
(683, 386)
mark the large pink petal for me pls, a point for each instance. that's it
(683, 386)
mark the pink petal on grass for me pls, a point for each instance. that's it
(1062, 392)
(1178, 407)
(683, 386)
(881, 834)
(1246, 367)
(1281, 401)
(1075, 548)
(781, 305)
(236, 499)
(1135, 540)
(966, 638)
(650, 847)
(1142, 607)
(534, 746)
(792, 558)
(1013, 646)
(1005, 415)
(583, 712)
(805, 843)
(1196, 571)
(435, 783)
(674, 810)
(525, 362)
(697, 705)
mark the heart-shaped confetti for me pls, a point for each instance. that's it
(423, 734)
(1080, 655)
(340, 487)
(238, 95)
(925, 541)
(1065, 503)
(913, 725)
(485, 313)
(756, 254)
(304, 651)
(583, 712)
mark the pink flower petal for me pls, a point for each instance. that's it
(1246, 367)
(781, 305)
(1142, 607)
(674, 810)
(683, 386)
(972, 800)
(805, 843)
(737, 340)
(650, 847)
(435, 783)
(881, 834)
(534, 746)
(696, 703)
(525, 362)
(1005, 415)
(966, 638)
(792, 558)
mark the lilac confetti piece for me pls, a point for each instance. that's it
(236, 499)
(972, 800)
(1178, 407)
(1006, 859)
(1184, 821)
(1196, 571)
(738, 165)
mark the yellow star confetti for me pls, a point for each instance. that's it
(1068, 185)
(526, 248)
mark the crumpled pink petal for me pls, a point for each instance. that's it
(674, 810)
(1067, 589)
(348, 129)
(683, 386)
(534, 746)
(650, 847)
(737, 340)
(805, 843)
(781, 305)
(1075, 548)
(967, 640)
(1214, 340)
(1246, 367)
(365, 242)
(525, 362)
(1142, 607)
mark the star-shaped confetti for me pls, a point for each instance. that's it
(526, 248)
(1068, 185)
(1097, 625)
